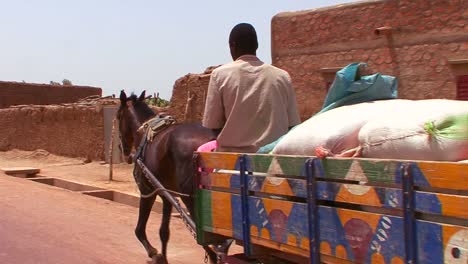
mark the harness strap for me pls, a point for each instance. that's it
(151, 128)
(155, 125)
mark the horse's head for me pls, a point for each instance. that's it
(130, 117)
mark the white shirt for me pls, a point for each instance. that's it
(253, 102)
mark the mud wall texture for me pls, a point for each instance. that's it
(18, 93)
(74, 130)
(422, 42)
(188, 96)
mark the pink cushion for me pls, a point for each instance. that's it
(208, 147)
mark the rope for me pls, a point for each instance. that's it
(158, 190)
(173, 192)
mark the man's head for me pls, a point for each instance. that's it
(243, 40)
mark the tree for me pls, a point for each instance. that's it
(159, 102)
(66, 82)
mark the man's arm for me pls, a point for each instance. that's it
(293, 112)
(213, 117)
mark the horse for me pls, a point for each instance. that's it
(169, 156)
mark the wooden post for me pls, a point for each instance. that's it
(111, 151)
(188, 106)
(156, 96)
(204, 100)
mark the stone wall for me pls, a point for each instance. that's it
(422, 42)
(74, 130)
(18, 93)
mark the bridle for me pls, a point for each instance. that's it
(126, 148)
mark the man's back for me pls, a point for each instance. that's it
(252, 102)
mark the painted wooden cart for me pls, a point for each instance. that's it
(305, 210)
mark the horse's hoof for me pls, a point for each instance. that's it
(152, 253)
(159, 259)
(130, 158)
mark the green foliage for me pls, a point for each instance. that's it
(66, 82)
(159, 102)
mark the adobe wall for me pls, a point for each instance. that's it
(425, 37)
(74, 130)
(190, 89)
(18, 93)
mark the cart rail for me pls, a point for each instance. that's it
(355, 210)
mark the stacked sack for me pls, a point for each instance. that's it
(350, 88)
(390, 129)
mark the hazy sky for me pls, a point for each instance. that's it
(127, 44)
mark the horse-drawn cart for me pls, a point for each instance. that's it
(296, 208)
(305, 210)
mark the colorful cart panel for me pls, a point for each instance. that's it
(356, 210)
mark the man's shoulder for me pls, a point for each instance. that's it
(226, 67)
(278, 72)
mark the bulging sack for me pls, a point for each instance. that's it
(336, 131)
(350, 88)
(434, 130)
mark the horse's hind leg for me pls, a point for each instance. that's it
(146, 204)
(164, 232)
(223, 248)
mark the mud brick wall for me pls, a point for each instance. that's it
(421, 40)
(18, 93)
(73, 130)
(195, 86)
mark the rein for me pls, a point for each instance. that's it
(150, 129)
(189, 223)
(173, 192)
(146, 131)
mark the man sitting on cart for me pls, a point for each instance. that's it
(249, 103)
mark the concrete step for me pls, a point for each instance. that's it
(21, 172)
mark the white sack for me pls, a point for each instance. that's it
(404, 136)
(362, 127)
(336, 130)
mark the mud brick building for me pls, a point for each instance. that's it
(54, 118)
(19, 93)
(422, 42)
(189, 94)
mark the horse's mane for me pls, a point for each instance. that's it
(140, 105)
(133, 97)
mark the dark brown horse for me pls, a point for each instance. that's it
(169, 158)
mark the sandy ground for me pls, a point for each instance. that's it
(73, 169)
(41, 224)
(96, 174)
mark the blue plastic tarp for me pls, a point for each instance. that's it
(349, 88)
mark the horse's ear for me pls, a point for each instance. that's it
(142, 96)
(123, 98)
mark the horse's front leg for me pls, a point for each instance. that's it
(146, 204)
(164, 232)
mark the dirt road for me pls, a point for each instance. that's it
(73, 169)
(44, 224)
